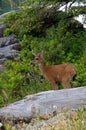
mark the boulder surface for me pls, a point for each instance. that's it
(8, 47)
(45, 103)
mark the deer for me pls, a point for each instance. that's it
(55, 74)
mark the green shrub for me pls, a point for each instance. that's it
(81, 71)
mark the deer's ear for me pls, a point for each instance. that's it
(33, 53)
(42, 53)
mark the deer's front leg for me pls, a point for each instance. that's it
(54, 85)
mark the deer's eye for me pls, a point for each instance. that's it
(36, 58)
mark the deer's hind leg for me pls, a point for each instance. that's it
(66, 82)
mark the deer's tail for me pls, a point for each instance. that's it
(74, 77)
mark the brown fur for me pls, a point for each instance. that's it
(62, 73)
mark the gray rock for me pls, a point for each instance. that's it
(2, 28)
(1, 55)
(8, 52)
(2, 60)
(5, 41)
(8, 47)
(45, 103)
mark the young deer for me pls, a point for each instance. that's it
(62, 73)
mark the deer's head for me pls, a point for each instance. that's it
(38, 59)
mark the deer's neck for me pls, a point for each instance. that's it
(42, 67)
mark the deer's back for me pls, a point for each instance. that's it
(57, 72)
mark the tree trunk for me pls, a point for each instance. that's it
(12, 3)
